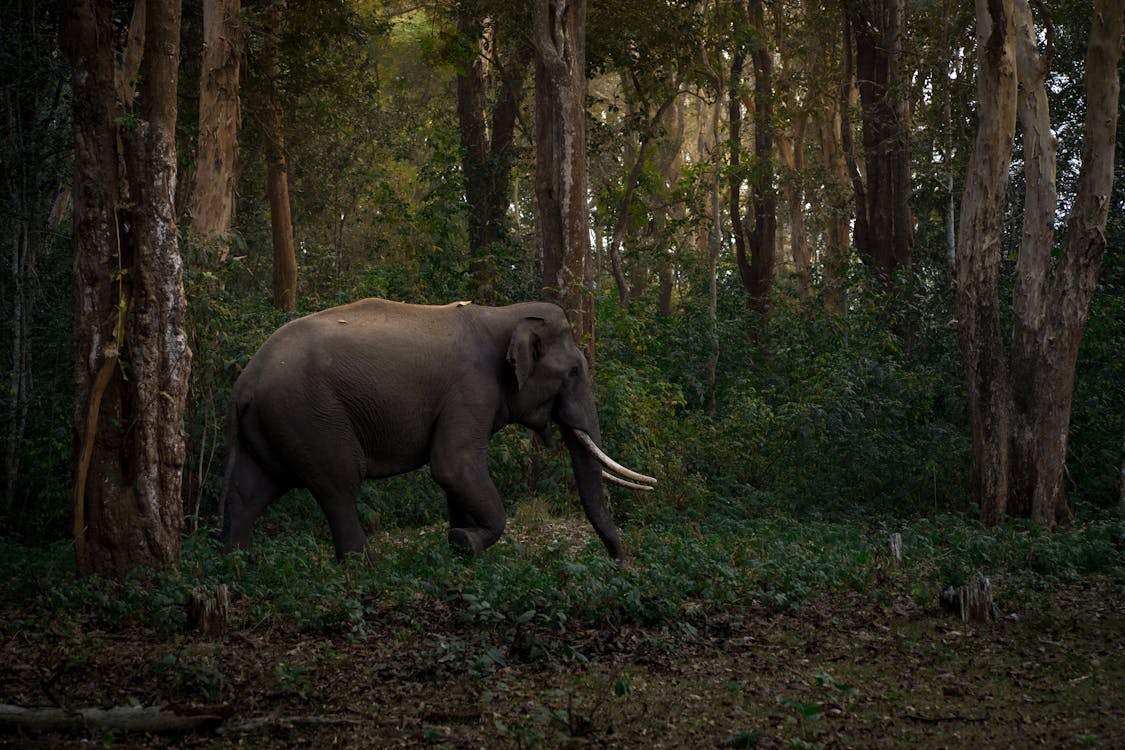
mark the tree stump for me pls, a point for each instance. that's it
(894, 546)
(208, 611)
(971, 602)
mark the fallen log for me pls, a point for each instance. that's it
(138, 719)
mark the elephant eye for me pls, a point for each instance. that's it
(575, 372)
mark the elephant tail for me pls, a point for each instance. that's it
(234, 442)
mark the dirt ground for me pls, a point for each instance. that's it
(839, 672)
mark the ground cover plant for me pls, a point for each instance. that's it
(754, 632)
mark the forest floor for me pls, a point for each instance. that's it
(846, 670)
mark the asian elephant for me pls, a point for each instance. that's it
(376, 388)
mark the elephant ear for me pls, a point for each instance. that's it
(525, 348)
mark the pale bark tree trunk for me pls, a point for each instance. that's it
(735, 176)
(714, 247)
(1050, 307)
(837, 232)
(669, 161)
(1020, 407)
(131, 355)
(791, 149)
(559, 34)
(709, 235)
(635, 161)
(212, 203)
(277, 179)
(977, 271)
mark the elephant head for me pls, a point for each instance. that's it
(552, 384)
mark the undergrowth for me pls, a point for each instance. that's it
(681, 573)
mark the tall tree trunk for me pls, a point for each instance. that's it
(714, 248)
(1050, 306)
(212, 203)
(735, 174)
(852, 159)
(754, 249)
(277, 180)
(559, 34)
(669, 162)
(978, 258)
(791, 149)
(486, 146)
(131, 356)
(876, 30)
(762, 240)
(837, 222)
(1020, 408)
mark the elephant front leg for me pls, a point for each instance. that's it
(476, 511)
(343, 521)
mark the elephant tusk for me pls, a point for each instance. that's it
(625, 482)
(608, 462)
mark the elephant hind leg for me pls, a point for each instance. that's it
(339, 505)
(248, 489)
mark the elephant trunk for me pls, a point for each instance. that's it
(591, 465)
(588, 476)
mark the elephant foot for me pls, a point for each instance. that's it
(465, 542)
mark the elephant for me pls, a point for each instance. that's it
(376, 388)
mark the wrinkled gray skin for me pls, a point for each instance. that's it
(377, 388)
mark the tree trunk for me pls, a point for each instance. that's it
(213, 196)
(20, 372)
(837, 232)
(559, 33)
(486, 152)
(852, 160)
(1050, 308)
(734, 139)
(131, 356)
(711, 242)
(889, 236)
(277, 182)
(762, 240)
(792, 151)
(1020, 409)
(978, 258)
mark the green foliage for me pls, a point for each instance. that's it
(533, 595)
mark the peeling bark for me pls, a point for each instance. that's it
(559, 37)
(213, 196)
(1020, 404)
(977, 271)
(277, 179)
(131, 355)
